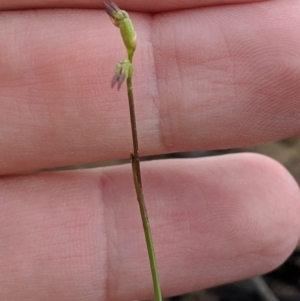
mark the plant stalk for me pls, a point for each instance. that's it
(124, 70)
(135, 162)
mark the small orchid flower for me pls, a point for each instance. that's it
(123, 70)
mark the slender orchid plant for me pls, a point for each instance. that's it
(124, 72)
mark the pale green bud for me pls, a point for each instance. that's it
(121, 19)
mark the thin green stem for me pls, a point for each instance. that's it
(135, 162)
(121, 19)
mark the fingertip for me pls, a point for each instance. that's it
(276, 225)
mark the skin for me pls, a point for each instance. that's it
(215, 77)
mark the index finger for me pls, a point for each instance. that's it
(135, 5)
(204, 79)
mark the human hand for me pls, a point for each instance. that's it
(205, 78)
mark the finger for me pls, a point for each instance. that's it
(215, 88)
(78, 235)
(137, 5)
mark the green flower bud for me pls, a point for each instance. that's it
(121, 19)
